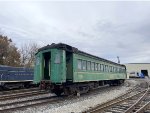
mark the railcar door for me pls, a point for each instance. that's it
(69, 66)
(58, 66)
(46, 65)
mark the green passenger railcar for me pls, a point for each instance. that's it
(65, 69)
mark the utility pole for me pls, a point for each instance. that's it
(118, 59)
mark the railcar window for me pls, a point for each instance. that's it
(79, 64)
(99, 67)
(88, 65)
(123, 70)
(105, 68)
(116, 69)
(83, 64)
(113, 69)
(57, 58)
(92, 66)
(110, 68)
(102, 67)
(96, 66)
(120, 70)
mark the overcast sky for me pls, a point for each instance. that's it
(104, 29)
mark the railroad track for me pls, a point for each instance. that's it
(22, 95)
(17, 91)
(135, 100)
(22, 105)
(14, 106)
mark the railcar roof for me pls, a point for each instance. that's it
(73, 50)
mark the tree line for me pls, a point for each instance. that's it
(19, 57)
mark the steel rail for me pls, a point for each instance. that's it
(26, 101)
(113, 100)
(144, 108)
(109, 104)
(129, 110)
(21, 95)
(39, 103)
(16, 91)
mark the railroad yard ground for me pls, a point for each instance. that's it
(79, 104)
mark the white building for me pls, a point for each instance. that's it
(138, 68)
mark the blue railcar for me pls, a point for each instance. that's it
(14, 77)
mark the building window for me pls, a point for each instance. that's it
(84, 65)
(79, 64)
(88, 65)
(92, 66)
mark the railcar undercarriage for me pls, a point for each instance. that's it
(76, 88)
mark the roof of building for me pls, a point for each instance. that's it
(137, 63)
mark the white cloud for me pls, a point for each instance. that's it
(105, 29)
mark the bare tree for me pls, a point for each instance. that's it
(27, 52)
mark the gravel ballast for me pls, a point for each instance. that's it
(85, 101)
(91, 101)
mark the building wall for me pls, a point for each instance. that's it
(137, 67)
